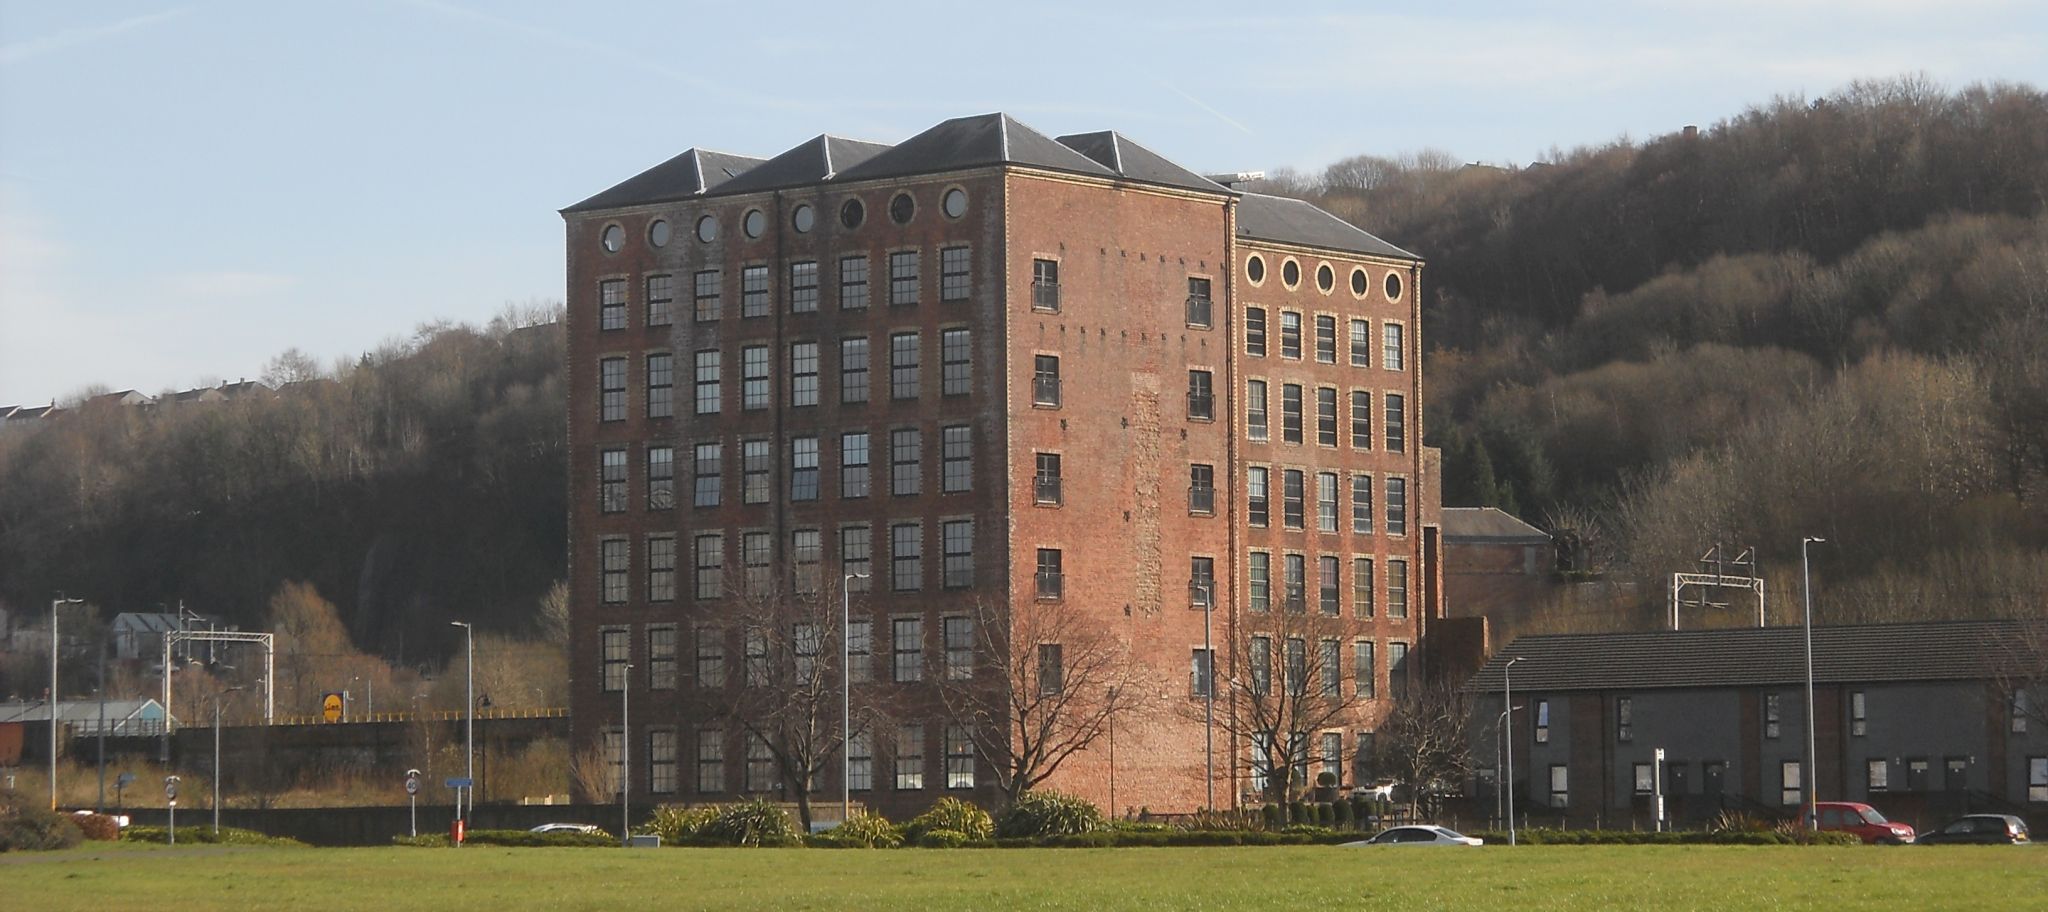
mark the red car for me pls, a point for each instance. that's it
(1862, 820)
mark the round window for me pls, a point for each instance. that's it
(1255, 269)
(755, 223)
(1393, 286)
(955, 202)
(657, 233)
(1290, 273)
(803, 218)
(613, 237)
(852, 213)
(902, 208)
(707, 229)
(1358, 282)
(1326, 278)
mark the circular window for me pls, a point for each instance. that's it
(1290, 273)
(612, 238)
(1255, 269)
(852, 213)
(707, 229)
(755, 223)
(1358, 282)
(657, 233)
(1393, 286)
(803, 218)
(902, 208)
(1326, 278)
(955, 203)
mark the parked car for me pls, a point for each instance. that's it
(1862, 820)
(565, 828)
(1420, 835)
(1980, 829)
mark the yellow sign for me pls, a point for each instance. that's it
(330, 707)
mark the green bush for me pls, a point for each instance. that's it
(866, 829)
(204, 834)
(941, 839)
(422, 841)
(99, 827)
(678, 825)
(1275, 816)
(1094, 839)
(1297, 812)
(26, 826)
(750, 823)
(952, 814)
(1346, 816)
(528, 840)
(1050, 813)
(1728, 836)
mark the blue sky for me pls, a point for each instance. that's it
(187, 189)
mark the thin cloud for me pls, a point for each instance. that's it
(74, 37)
(1205, 106)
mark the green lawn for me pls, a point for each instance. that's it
(1904, 879)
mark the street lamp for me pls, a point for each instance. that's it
(1508, 700)
(216, 754)
(469, 729)
(1808, 775)
(54, 603)
(1208, 694)
(846, 696)
(626, 757)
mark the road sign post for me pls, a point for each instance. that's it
(171, 802)
(412, 798)
(460, 784)
(1657, 777)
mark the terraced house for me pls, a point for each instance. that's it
(961, 385)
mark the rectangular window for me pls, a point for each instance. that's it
(661, 760)
(1772, 716)
(1201, 489)
(611, 481)
(1877, 775)
(1363, 585)
(806, 554)
(1391, 349)
(661, 297)
(1045, 481)
(1542, 718)
(708, 284)
(956, 459)
(1361, 420)
(661, 477)
(710, 566)
(1255, 331)
(903, 278)
(710, 657)
(708, 392)
(853, 464)
(1330, 667)
(1260, 568)
(2037, 779)
(906, 448)
(661, 568)
(1045, 380)
(1326, 501)
(1199, 308)
(707, 481)
(661, 654)
(956, 278)
(1361, 343)
(1332, 755)
(1329, 586)
(853, 283)
(1045, 285)
(760, 764)
(959, 758)
(956, 538)
(753, 291)
(1290, 412)
(611, 396)
(853, 369)
(1326, 339)
(615, 554)
(1257, 496)
(860, 762)
(803, 373)
(1645, 781)
(1201, 396)
(755, 663)
(1051, 574)
(661, 385)
(1052, 669)
(1361, 504)
(906, 557)
(1255, 426)
(1790, 782)
(614, 644)
(1364, 674)
(956, 362)
(757, 462)
(806, 641)
(611, 304)
(1397, 411)
(1560, 785)
(1296, 667)
(958, 633)
(2017, 709)
(1397, 587)
(1397, 671)
(710, 761)
(754, 377)
(1290, 335)
(1326, 416)
(803, 287)
(1624, 720)
(1201, 672)
(1858, 719)
(856, 556)
(860, 649)
(1260, 657)
(903, 366)
(1201, 581)
(906, 639)
(1295, 570)
(1291, 508)
(803, 468)
(756, 550)
(909, 757)
(1397, 506)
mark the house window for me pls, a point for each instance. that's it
(1363, 673)
(909, 757)
(1361, 504)
(1332, 755)
(1390, 346)
(1361, 343)
(903, 278)
(754, 291)
(1330, 666)
(707, 289)
(1397, 506)
(611, 307)
(2037, 778)
(956, 538)
(661, 568)
(1296, 570)
(1260, 657)
(803, 287)
(1257, 495)
(906, 475)
(1045, 380)
(955, 273)
(860, 762)
(1198, 302)
(1050, 577)
(1326, 416)
(959, 636)
(1326, 339)
(1397, 671)
(1361, 420)
(661, 657)
(1542, 721)
(614, 553)
(806, 553)
(903, 366)
(661, 296)
(1290, 335)
(614, 645)
(906, 557)
(755, 551)
(1560, 785)
(1045, 484)
(1290, 412)
(756, 462)
(803, 468)
(1397, 587)
(1201, 396)
(1045, 285)
(853, 464)
(661, 760)
(710, 761)
(1201, 672)
(853, 283)
(1877, 775)
(710, 657)
(1296, 667)
(760, 764)
(803, 373)
(611, 481)
(1255, 409)
(860, 648)
(1201, 581)
(755, 661)
(1362, 587)
(710, 566)
(956, 459)
(611, 389)
(1789, 783)
(661, 477)
(1771, 715)
(856, 556)
(1326, 501)
(2018, 707)
(1201, 489)
(1397, 434)
(906, 639)
(1329, 589)
(708, 392)
(1858, 719)
(959, 758)
(1645, 779)
(661, 385)
(1255, 331)
(1261, 589)
(853, 369)
(1291, 507)
(707, 481)
(1624, 719)
(754, 377)
(956, 362)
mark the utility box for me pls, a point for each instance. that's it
(644, 841)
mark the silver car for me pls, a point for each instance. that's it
(1421, 834)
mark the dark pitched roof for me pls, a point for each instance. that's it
(819, 158)
(1118, 153)
(1291, 221)
(1753, 656)
(692, 173)
(972, 142)
(1489, 526)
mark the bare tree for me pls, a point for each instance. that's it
(1044, 684)
(1425, 742)
(2022, 676)
(1286, 683)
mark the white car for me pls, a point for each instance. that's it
(565, 828)
(1421, 835)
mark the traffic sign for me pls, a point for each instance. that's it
(412, 786)
(171, 789)
(459, 782)
(330, 707)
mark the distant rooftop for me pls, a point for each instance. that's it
(1489, 526)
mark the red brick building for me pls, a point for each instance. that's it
(985, 367)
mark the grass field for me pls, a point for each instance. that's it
(1907, 879)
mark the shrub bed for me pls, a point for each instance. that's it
(527, 840)
(951, 814)
(202, 833)
(1050, 814)
(1547, 836)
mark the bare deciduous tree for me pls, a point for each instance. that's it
(1425, 742)
(1286, 683)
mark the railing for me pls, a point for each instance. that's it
(437, 715)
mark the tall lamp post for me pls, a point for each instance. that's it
(626, 758)
(1810, 773)
(1208, 694)
(1508, 712)
(469, 726)
(846, 695)
(217, 698)
(60, 600)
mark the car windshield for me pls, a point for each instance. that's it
(1870, 815)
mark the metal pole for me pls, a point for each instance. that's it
(1808, 793)
(100, 806)
(59, 600)
(1508, 702)
(216, 755)
(469, 730)
(1208, 697)
(846, 696)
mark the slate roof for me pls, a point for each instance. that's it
(692, 173)
(820, 158)
(78, 710)
(1118, 153)
(1489, 526)
(1754, 656)
(972, 142)
(1291, 221)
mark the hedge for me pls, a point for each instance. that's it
(196, 834)
(1548, 836)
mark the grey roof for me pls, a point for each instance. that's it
(972, 142)
(1755, 656)
(77, 710)
(147, 621)
(819, 158)
(694, 172)
(1118, 153)
(1291, 221)
(1489, 526)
